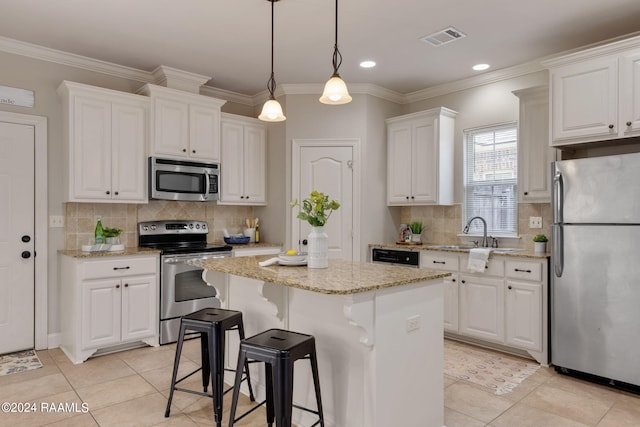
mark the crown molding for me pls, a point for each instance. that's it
(70, 59)
(475, 81)
(56, 56)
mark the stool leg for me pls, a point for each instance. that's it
(268, 373)
(316, 385)
(242, 358)
(176, 362)
(216, 354)
(246, 364)
(204, 360)
(283, 392)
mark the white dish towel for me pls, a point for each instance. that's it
(478, 258)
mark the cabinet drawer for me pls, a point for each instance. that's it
(495, 266)
(524, 270)
(439, 261)
(117, 267)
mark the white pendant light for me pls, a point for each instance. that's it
(272, 110)
(335, 90)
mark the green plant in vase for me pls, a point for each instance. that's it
(112, 235)
(416, 231)
(316, 210)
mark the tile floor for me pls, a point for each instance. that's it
(130, 389)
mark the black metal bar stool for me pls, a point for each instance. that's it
(278, 349)
(212, 323)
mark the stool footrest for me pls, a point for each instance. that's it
(188, 375)
(249, 411)
(200, 393)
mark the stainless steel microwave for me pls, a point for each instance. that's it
(183, 180)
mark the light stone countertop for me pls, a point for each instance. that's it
(342, 277)
(127, 251)
(426, 247)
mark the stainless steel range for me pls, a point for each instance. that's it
(182, 289)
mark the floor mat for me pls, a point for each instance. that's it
(19, 362)
(486, 368)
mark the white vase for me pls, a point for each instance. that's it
(318, 241)
(416, 238)
(540, 247)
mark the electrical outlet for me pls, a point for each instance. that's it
(56, 221)
(413, 323)
(535, 222)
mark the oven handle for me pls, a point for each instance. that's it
(182, 258)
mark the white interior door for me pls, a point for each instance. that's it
(328, 169)
(16, 237)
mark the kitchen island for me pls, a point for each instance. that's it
(378, 333)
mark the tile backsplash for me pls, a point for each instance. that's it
(443, 224)
(81, 218)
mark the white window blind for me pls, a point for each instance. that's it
(491, 179)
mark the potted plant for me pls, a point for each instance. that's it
(416, 231)
(316, 210)
(112, 235)
(540, 243)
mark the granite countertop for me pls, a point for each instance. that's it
(342, 277)
(127, 251)
(524, 253)
(250, 245)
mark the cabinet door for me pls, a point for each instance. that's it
(451, 303)
(482, 307)
(129, 139)
(630, 93)
(91, 148)
(171, 127)
(232, 165)
(399, 152)
(523, 316)
(534, 154)
(139, 307)
(585, 100)
(204, 133)
(424, 162)
(100, 316)
(255, 164)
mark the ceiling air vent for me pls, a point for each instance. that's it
(445, 36)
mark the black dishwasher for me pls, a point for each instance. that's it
(396, 256)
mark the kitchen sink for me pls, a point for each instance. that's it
(452, 247)
(507, 250)
(466, 248)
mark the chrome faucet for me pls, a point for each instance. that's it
(485, 241)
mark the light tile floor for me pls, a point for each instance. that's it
(130, 389)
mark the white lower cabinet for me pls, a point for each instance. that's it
(107, 302)
(481, 302)
(506, 305)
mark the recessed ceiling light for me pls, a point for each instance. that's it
(368, 64)
(481, 67)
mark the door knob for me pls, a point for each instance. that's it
(25, 254)
(26, 238)
(304, 242)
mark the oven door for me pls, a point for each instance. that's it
(183, 291)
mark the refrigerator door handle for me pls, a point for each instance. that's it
(558, 249)
(558, 194)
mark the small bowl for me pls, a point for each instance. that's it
(299, 257)
(240, 240)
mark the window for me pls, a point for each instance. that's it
(491, 179)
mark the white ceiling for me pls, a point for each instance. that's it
(229, 40)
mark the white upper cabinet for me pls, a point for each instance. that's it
(105, 144)
(184, 125)
(420, 158)
(595, 94)
(243, 166)
(534, 154)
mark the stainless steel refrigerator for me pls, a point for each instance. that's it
(595, 296)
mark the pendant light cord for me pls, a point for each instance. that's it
(337, 56)
(271, 84)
